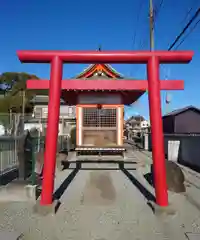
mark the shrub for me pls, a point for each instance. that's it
(73, 136)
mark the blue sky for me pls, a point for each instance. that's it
(83, 25)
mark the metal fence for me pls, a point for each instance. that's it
(8, 155)
(16, 150)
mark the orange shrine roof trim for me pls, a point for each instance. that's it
(98, 71)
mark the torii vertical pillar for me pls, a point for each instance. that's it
(157, 131)
(151, 58)
(52, 131)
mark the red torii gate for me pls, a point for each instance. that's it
(154, 85)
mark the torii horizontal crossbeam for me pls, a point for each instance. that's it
(112, 85)
(104, 56)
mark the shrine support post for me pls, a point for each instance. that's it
(159, 167)
(52, 131)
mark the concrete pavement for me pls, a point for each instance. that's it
(103, 205)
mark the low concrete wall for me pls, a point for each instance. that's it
(188, 150)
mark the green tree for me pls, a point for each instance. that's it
(14, 95)
(12, 84)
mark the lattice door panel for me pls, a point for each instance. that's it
(99, 127)
(94, 117)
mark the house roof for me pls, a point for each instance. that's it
(136, 118)
(43, 99)
(181, 110)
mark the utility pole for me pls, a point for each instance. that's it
(10, 116)
(23, 102)
(23, 107)
(151, 22)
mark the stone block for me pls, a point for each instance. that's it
(174, 177)
(31, 192)
(162, 211)
(44, 210)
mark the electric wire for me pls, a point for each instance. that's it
(157, 11)
(137, 22)
(185, 29)
(188, 34)
(189, 11)
(135, 36)
(187, 14)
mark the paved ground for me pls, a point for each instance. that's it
(107, 204)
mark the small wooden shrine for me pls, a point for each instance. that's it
(100, 113)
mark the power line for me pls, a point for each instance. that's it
(157, 10)
(137, 22)
(140, 45)
(184, 19)
(191, 30)
(184, 29)
(144, 40)
(187, 14)
(193, 3)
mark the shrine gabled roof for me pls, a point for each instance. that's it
(97, 71)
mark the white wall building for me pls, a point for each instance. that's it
(144, 124)
(2, 130)
(40, 113)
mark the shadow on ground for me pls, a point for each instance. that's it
(65, 184)
(78, 167)
(60, 191)
(8, 177)
(69, 165)
(148, 195)
(149, 178)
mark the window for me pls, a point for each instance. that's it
(70, 110)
